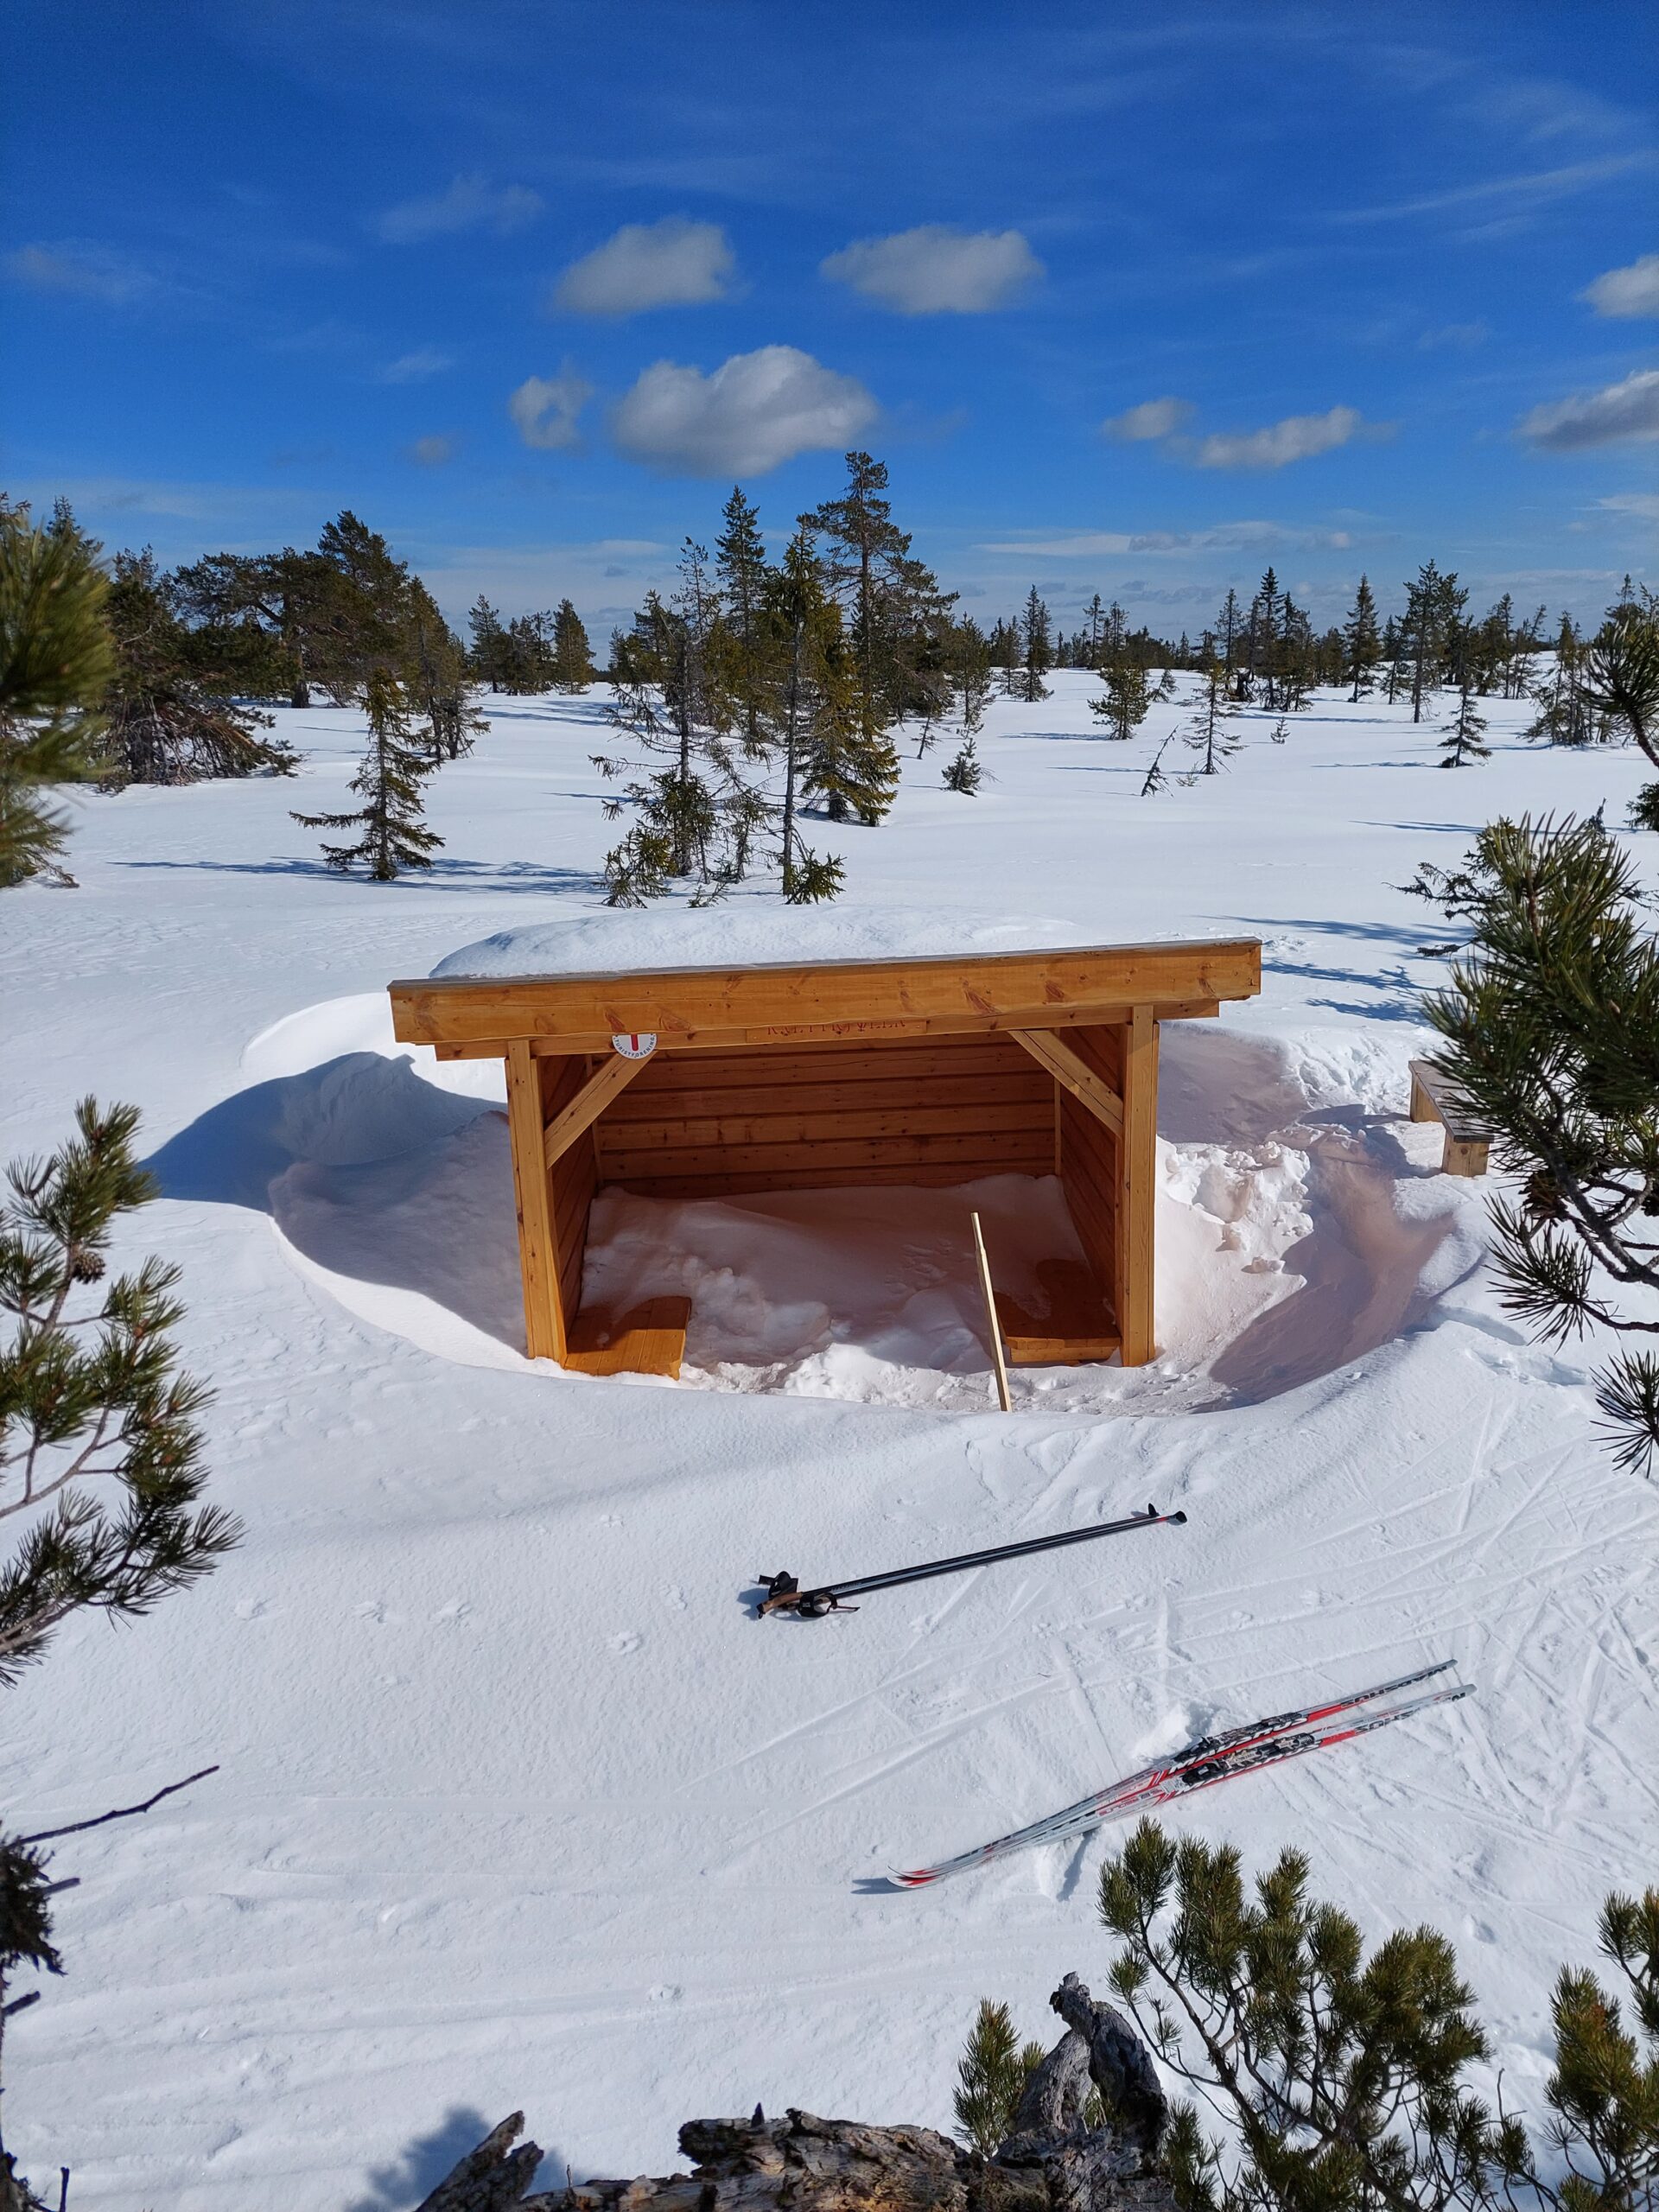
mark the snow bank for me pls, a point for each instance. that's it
(754, 932)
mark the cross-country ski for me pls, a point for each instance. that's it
(1202, 1763)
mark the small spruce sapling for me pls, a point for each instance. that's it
(966, 771)
(1464, 738)
(1156, 779)
(393, 836)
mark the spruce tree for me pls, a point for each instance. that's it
(970, 668)
(1464, 738)
(673, 703)
(1127, 699)
(489, 650)
(438, 681)
(1036, 638)
(741, 564)
(1261, 639)
(1211, 730)
(892, 600)
(392, 833)
(1361, 645)
(573, 657)
(55, 662)
(1094, 615)
(965, 771)
(1155, 778)
(172, 713)
(813, 719)
(359, 622)
(275, 597)
(1229, 632)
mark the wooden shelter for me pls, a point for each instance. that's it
(705, 1082)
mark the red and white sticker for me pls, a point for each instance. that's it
(637, 1045)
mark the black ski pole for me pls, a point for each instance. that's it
(785, 1594)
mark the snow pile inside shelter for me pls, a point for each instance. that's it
(748, 932)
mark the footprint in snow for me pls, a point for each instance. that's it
(370, 1610)
(630, 1640)
(666, 1992)
(457, 1609)
(251, 1608)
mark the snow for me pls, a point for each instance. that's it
(516, 1806)
(741, 934)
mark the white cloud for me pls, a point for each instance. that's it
(1298, 437)
(1152, 418)
(433, 452)
(934, 269)
(414, 368)
(1642, 504)
(1537, 189)
(80, 269)
(545, 409)
(755, 410)
(1073, 545)
(469, 204)
(1456, 337)
(1627, 410)
(1631, 291)
(1227, 536)
(670, 263)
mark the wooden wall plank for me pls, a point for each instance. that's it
(802, 1160)
(756, 1184)
(588, 1102)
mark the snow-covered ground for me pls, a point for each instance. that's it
(516, 1805)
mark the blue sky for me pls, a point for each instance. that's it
(1131, 298)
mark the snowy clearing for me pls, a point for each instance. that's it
(518, 1806)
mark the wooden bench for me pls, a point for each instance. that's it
(1072, 1326)
(648, 1339)
(1434, 1098)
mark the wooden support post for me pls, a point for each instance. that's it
(589, 1104)
(537, 1252)
(1068, 1067)
(1137, 1183)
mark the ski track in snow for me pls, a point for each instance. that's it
(516, 1805)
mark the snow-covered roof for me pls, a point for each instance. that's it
(752, 932)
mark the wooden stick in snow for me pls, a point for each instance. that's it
(1002, 1397)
